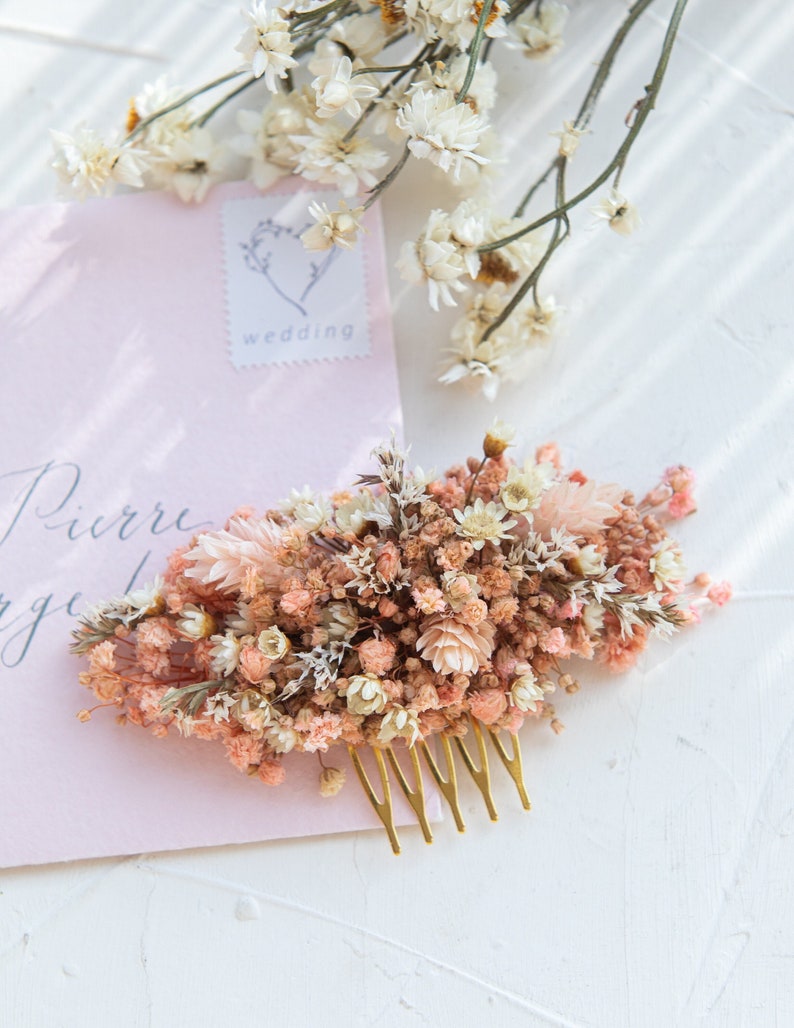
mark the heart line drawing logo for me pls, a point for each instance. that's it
(259, 252)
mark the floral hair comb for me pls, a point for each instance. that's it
(410, 610)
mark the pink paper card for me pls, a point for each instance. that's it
(162, 365)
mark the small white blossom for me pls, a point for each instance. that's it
(399, 722)
(313, 514)
(522, 491)
(622, 216)
(482, 90)
(365, 695)
(336, 90)
(325, 156)
(267, 136)
(439, 258)
(218, 706)
(569, 139)
(540, 29)
(266, 45)
(362, 36)
(525, 693)
(334, 228)
(440, 129)
(225, 653)
(195, 623)
(149, 598)
(88, 166)
(483, 523)
(593, 618)
(281, 738)
(190, 165)
(273, 643)
(589, 561)
(667, 567)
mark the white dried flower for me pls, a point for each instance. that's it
(361, 36)
(439, 259)
(540, 29)
(522, 490)
(481, 95)
(148, 599)
(280, 737)
(325, 156)
(189, 164)
(593, 618)
(273, 643)
(334, 228)
(440, 129)
(622, 216)
(498, 438)
(89, 166)
(266, 45)
(667, 567)
(569, 139)
(525, 693)
(336, 90)
(225, 653)
(589, 561)
(365, 694)
(399, 722)
(267, 136)
(483, 523)
(218, 706)
(195, 623)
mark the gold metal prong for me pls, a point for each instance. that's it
(416, 797)
(481, 774)
(513, 765)
(383, 808)
(448, 785)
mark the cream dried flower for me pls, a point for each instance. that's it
(498, 438)
(331, 780)
(438, 258)
(452, 645)
(440, 129)
(189, 165)
(195, 623)
(266, 45)
(281, 738)
(522, 490)
(335, 89)
(326, 156)
(622, 216)
(525, 693)
(540, 29)
(365, 695)
(273, 643)
(334, 228)
(569, 139)
(667, 567)
(87, 165)
(399, 722)
(225, 653)
(483, 523)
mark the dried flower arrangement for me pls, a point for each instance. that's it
(409, 609)
(357, 88)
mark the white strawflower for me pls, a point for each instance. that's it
(352, 516)
(89, 166)
(540, 320)
(153, 97)
(440, 129)
(569, 138)
(498, 438)
(326, 157)
(189, 164)
(335, 90)
(267, 137)
(218, 706)
(399, 722)
(522, 491)
(365, 695)
(281, 738)
(589, 561)
(593, 618)
(667, 567)
(525, 693)
(312, 514)
(439, 259)
(540, 29)
(334, 228)
(273, 643)
(483, 523)
(481, 95)
(195, 623)
(622, 216)
(225, 653)
(149, 598)
(362, 36)
(266, 45)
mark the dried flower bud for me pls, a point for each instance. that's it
(331, 781)
(498, 437)
(84, 715)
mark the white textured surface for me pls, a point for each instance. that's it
(651, 885)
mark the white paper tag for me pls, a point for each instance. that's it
(284, 304)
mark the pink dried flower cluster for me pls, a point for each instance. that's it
(396, 611)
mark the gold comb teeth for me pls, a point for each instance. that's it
(447, 785)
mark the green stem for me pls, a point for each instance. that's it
(474, 49)
(201, 121)
(585, 113)
(644, 108)
(388, 179)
